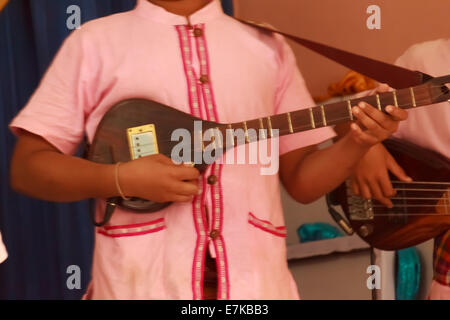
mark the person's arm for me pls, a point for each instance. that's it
(39, 170)
(309, 173)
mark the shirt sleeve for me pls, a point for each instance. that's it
(57, 109)
(412, 58)
(292, 95)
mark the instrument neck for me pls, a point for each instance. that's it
(333, 113)
(330, 114)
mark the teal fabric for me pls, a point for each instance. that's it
(408, 274)
(317, 231)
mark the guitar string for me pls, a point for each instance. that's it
(419, 190)
(415, 198)
(396, 206)
(422, 182)
(412, 206)
(444, 197)
(410, 214)
(423, 189)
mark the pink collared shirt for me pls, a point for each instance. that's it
(151, 53)
(428, 127)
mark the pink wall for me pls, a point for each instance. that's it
(343, 24)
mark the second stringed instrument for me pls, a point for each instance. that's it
(138, 127)
(421, 208)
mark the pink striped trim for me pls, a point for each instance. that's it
(208, 94)
(197, 204)
(223, 287)
(133, 229)
(198, 267)
(191, 79)
(216, 199)
(195, 103)
(267, 226)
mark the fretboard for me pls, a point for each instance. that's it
(338, 112)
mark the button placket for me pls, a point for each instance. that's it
(198, 32)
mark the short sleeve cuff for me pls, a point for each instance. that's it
(34, 127)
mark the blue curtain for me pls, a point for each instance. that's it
(43, 239)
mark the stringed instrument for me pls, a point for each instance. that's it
(135, 128)
(421, 208)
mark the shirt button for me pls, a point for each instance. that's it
(212, 179)
(214, 234)
(204, 79)
(198, 32)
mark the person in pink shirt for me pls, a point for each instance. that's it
(187, 54)
(425, 127)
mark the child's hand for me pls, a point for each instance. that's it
(377, 125)
(158, 179)
(371, 177)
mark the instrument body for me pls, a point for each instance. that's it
(111, 144)
(421, 210)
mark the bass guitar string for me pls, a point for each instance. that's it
(422, 182)
(409, 214)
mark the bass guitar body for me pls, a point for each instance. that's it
(421, 208)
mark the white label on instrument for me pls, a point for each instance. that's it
(142, 141)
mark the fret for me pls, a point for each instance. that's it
(349, 108)
(291, 129)
(324, 119)
(311, 117)
(269, 124)
(378, 102)
(246, 132)
(213, 142)
(413, 98)
(261, 126)
(394, 93)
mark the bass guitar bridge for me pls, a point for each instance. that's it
(359, 208)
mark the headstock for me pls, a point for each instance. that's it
(439, 88)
